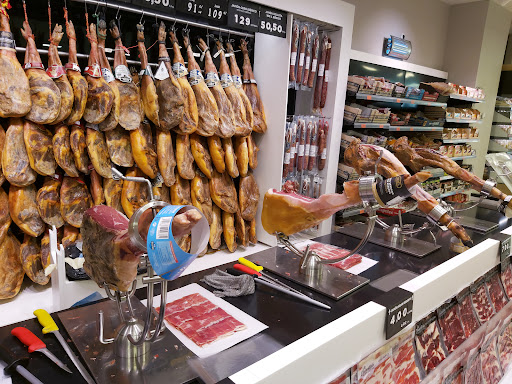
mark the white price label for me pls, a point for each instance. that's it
(293, 58)
(321, 69)
(314, 64)
(301, 59)
(162, 73)
(301, 150)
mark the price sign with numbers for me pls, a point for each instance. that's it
(167, 6)
(398, 303)
(191, 7)
(272, 22)
(505, 242)
(216, 10)
(243, 15)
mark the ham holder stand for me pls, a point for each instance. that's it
(126, 356)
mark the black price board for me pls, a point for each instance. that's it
(505, 242)
(398, 303)
(272, 22)
(191, 7)
(243, 15)
(166, 6)
(216, 10)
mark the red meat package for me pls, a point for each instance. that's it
(496, 292)
(505, 344)
(473, 370)
(491, 370)
(429, 344)
(405, 370)
(451, 325)
(467, 313)
(506, 276)
(327, 251)
(481, 301)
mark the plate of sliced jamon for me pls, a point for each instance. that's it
(204, 323)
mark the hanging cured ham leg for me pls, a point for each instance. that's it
(112, 119)
(362, 157)
(14, 86)
(57, 72)
(243, 123)
(418, 158)
(206, 105)
(130, 112)
(147, 85)
(44, 93)
(76, 79)
(251, 90)
(170, 97)
(226, 126)
(236, 76)
(100, 97)
(290, 213)
(190, 115)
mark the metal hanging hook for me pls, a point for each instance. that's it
(141, 17)
(95, 11)
(117, 13)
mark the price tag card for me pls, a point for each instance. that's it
(191, 7)
(505, 242)
(272, 22)
(398, 303)
(243, 15)
(167, 6)
(216, 10)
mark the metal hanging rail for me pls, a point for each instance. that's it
(163, 16)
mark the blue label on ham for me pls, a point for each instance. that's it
(166, 257)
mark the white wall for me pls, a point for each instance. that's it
(423, 22)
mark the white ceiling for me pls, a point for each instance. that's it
(505, 3)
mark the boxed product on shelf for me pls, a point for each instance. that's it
(399, 118)
(350, 114)
(383, 87)
(414, 93)
(442, 89)
(427, 96)
(354, 83)
(399, 90)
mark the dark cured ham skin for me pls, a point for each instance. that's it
(468, 317)
(496, 293)
(200, 320)
(453, 334)
(505, 347)
(429, 347)
(506, 279)
(326, 251)
(491, 371)
(482, 305)
(406, 371)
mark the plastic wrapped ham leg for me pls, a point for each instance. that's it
(190, 116)
(100, 97)
(14, 85)
(226, 126)
(44, 93)
(290, 213)
(362, 157)
(418, 158)
(75, 77)
(251, 90)
(147, 85)
(57, 72)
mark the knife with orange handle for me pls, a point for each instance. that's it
(35, 344)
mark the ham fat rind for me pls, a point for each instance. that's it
(14, 85)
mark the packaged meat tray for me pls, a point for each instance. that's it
(473, 370)
(496, 292)
(506, 276)
(505, 344)
(491, 370)
(451, 325)
(429, 344)
(467, 313)
(327, 251)
(405, 370)
(481, 302)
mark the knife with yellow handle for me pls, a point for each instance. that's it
(250, 264)
(49, 326)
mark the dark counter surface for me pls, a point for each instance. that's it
(288, 318)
